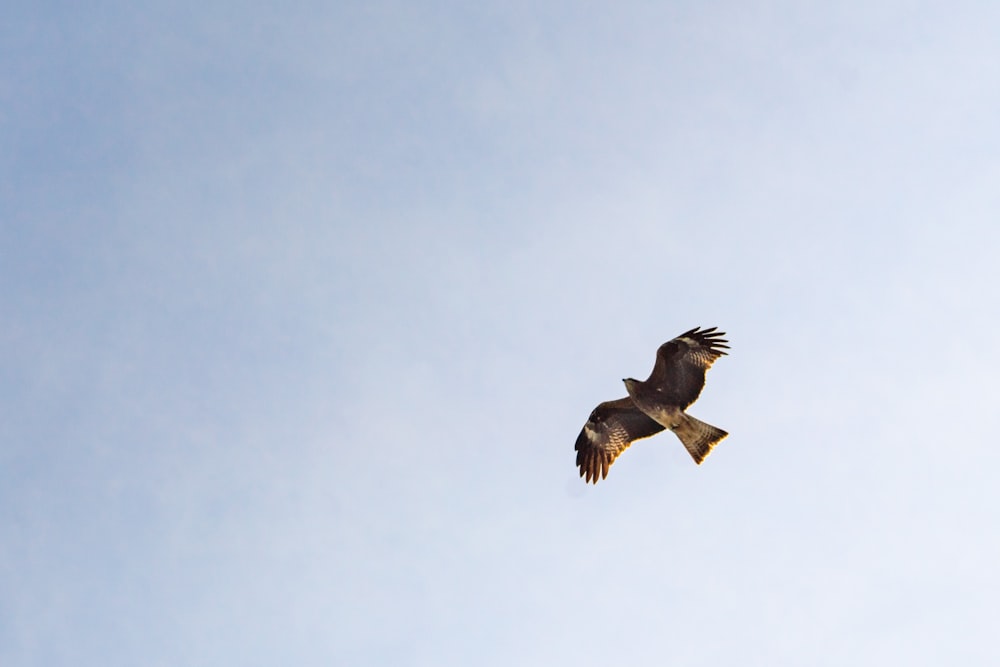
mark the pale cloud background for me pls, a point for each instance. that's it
(304, 306)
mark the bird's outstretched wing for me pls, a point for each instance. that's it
(679, 372)
(611, 428)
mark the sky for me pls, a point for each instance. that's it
(304, 305)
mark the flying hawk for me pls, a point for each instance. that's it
(656, 404)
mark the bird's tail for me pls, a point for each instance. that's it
(698, 437)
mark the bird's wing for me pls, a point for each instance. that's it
(609, 431)
(679, 372)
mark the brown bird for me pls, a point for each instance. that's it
(654, 405)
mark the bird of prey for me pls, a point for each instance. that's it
(654, 405)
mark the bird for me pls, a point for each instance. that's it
(655, 405)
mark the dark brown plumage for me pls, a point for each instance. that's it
(611, 428)
(676, 381)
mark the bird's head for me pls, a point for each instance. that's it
(630, 384)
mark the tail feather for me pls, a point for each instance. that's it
(698, 437)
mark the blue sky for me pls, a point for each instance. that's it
(305, 305)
